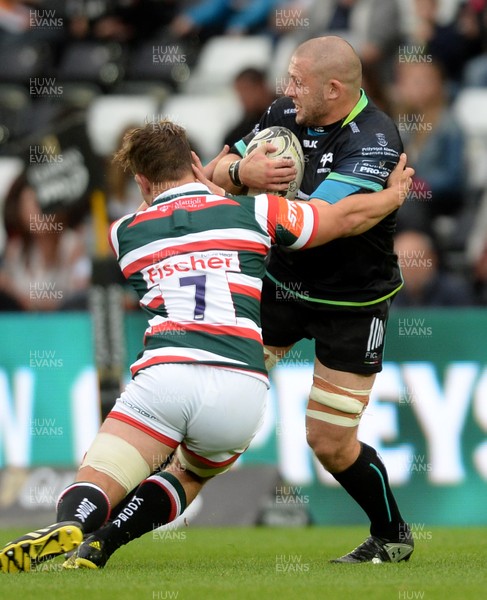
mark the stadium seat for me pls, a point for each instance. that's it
(206, 118)
(80, 94)
(470, 111)
(92, 61)
(277, 74)
(22, 61)
(156, 61)
(108, 116)
(223, 57)
(155, 89)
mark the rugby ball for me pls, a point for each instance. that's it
(288, 146)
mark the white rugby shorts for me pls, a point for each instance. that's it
(212, 412)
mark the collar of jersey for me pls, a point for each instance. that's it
(357, 109)
(181, 190)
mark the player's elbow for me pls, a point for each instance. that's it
(352, 225)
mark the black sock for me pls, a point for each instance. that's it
(123, 503)
(367, 482)
(158, 500)
(83, 502)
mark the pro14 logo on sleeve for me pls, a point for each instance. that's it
(376, 171)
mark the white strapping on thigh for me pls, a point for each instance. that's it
(117, 458)
(334, 398)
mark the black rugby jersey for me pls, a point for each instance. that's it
(354, 155)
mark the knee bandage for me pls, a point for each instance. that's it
(186, 463)
(118, 459)
(339, 405)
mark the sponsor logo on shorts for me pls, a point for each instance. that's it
(374, 343)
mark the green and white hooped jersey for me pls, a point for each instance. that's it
(196, 261)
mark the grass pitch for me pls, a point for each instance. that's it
(264, 563)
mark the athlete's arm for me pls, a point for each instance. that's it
(357, 213)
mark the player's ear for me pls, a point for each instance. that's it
(333, 89)
(143, 183)
(144, 187)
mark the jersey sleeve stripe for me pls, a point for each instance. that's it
(310, 226)
(364, 184)
(113, 234)
(316, 223)
(334, 191)
(261, 210)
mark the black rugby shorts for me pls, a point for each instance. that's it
(349, 339)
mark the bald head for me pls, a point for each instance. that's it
(332, 57)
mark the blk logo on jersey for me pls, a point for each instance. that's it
(328, 157)
(324, 160)
(310, 143)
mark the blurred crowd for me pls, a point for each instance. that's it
(57, 58)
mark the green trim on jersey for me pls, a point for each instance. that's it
(357, 109)
(361, 183)
(332, 302)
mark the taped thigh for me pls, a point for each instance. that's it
(118, 459)
(190, 463)
(336, 404)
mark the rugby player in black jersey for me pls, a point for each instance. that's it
(338, 294)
